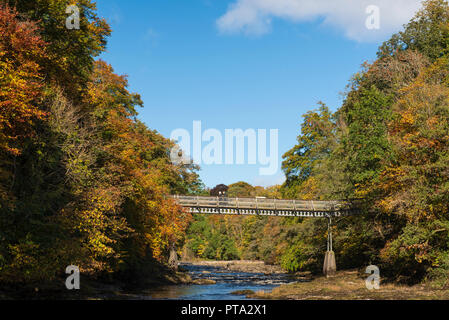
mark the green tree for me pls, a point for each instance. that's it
(427, 32)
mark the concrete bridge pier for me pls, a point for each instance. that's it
(173, 259)
(329, 266)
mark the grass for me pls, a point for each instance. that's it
(349, 285)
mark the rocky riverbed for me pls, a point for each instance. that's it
(241, 266)
(217, 280)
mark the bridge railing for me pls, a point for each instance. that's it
(261, 203)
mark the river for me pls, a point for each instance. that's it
(226, 282)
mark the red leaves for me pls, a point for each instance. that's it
(21, 49)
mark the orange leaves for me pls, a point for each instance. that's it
(20, 40)
(20, 82)
(92, 177)
(419, 132)
(420, 119)
(107, 91)
(138, 157)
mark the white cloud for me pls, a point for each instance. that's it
(254, 16)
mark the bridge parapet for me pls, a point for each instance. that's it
(263, 206)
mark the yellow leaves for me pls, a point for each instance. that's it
(202, 248)
(308, 189)
(99, 225)
(432, 122)
(360, 192)
(105, 172)
(407, 118)
(387, 204)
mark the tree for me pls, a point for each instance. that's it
(219, 190)
(416, 186)
(21, 50)
(315, 143)
(83, 181)
(241, 190)
(427, 32)
(71, 51)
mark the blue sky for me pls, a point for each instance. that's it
(204, 60)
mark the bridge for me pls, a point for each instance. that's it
(266, 207)
(275, 207)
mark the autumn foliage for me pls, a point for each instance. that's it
(388, 145)
(83, 181)
(21, 50)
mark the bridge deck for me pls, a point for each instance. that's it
(262, 206)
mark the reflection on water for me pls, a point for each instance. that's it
(226, 283)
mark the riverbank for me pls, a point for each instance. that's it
(349, 285)
(122, 287)
(94, 288)
(228, 280)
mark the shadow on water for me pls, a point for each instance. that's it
(226, 283)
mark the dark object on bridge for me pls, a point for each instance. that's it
(219, 191)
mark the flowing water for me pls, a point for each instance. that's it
(227, 282)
